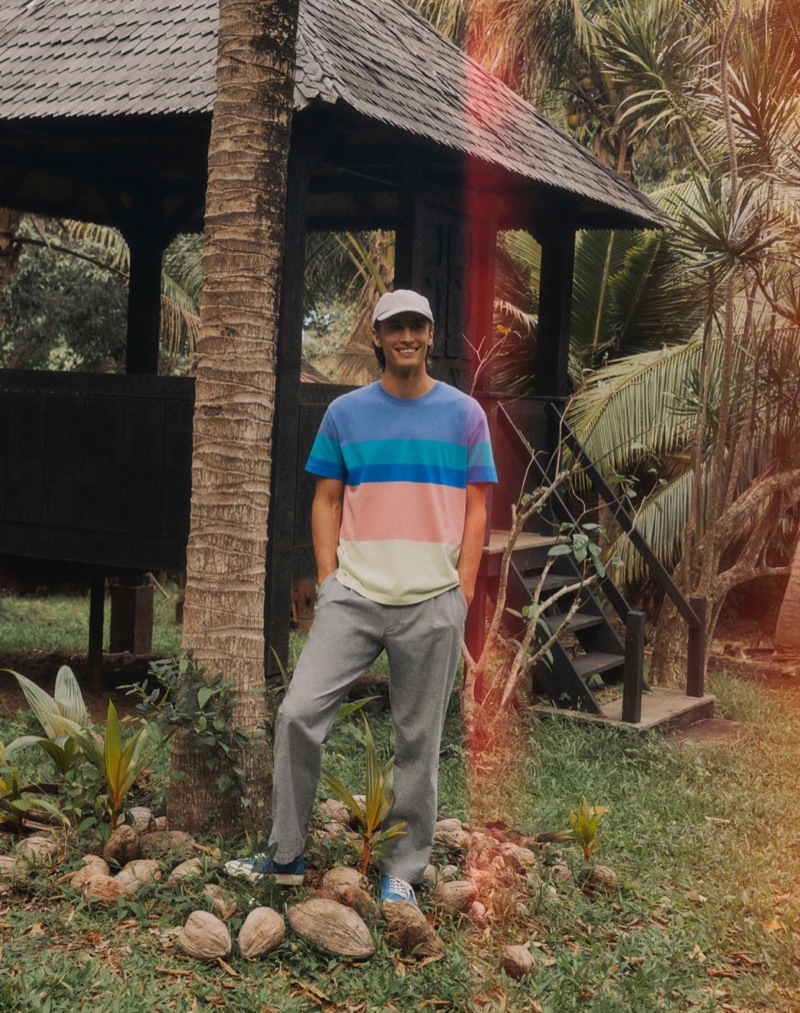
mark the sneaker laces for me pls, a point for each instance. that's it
(400, 887)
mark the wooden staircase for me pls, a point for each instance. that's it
(589, 654)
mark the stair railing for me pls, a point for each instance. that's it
(692, 610)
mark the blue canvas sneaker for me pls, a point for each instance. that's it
(260, 866)
(396, 889)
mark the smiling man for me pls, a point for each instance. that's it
(398, 524)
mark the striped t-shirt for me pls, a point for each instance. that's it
(406, 463)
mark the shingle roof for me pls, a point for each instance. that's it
(70, 58)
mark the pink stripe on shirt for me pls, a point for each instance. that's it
(411, 511)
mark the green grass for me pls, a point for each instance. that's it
(703, 838)
(59, 622)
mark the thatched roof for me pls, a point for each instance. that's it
(66, 59)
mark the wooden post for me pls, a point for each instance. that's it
(555, 231)
(633, 672)
(145, 242)
(131, 617)
(281, 523)
(97, 597)
(408, 243)
(696, 655)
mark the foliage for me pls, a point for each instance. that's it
(699, 841)
(65, 307)
(185, 697)
(119, 764)
(18, 802)
(378, 799)
(585, 823)
(53, 714)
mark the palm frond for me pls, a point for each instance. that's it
(627, 408)
(661, 522)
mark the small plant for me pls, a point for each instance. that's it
(585, 823)
(18, 801)
(118, 765)
(51, 712)
(184, 697)
(378, 799)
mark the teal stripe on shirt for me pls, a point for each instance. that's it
(418, 453)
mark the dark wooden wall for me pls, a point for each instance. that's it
(95, 468)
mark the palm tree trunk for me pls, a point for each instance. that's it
(235, 389)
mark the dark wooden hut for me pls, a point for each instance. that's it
(105, 113)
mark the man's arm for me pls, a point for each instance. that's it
(326, 520)
(472, 542)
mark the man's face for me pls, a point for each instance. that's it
(405, 340)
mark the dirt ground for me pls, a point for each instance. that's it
(41, 667)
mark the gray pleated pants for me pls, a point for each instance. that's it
(423, 644)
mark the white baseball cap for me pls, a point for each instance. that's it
(402, 300)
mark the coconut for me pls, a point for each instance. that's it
(410, 931)
(168, 846)
(223, 902)
(333, 811)
(360, 901)
(122, 846)
(142, 820)
(262, 931)
(103, 888)
(138, 872)
(340, 877)
(332, 927)
(456, 895)
(518, 961)
(40, 848)
(189, 869)
(204, 936)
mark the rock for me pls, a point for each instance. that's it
(518, 961)
(103, 888)
(204, 936)
(39, 849)
(190, 869)
(561, 874)
(333, 811)
(168, 846)
(142, 820)
(360, 901)
(224, 903)
(333, 927)
(262, 931)
(457, 895)
(409, 930)
(122, 846)
(342, 876)
(138, 872)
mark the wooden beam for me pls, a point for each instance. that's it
(555, 231)
(146, 244)
(285, 463)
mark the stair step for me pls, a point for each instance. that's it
(580, 621)
(552, 582)
(586, 664)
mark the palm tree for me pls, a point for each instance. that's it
(235, 391)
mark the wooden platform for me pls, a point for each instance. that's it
(662, 709)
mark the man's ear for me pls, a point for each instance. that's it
(376, 340)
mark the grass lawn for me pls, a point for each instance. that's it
(703, 839)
